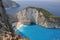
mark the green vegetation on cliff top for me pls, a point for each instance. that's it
(46, 13)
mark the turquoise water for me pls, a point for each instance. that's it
(36, 32)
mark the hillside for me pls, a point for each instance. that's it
(38, 16)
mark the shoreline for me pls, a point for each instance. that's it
(19, 25)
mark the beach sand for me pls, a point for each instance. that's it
(19, 24)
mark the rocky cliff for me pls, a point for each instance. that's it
(6, 30)
(38, 16)
(9, 3)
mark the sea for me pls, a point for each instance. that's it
(52, 7)
(38, 32)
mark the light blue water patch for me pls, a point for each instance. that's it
(36, 32)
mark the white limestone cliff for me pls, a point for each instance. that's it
(31, 15)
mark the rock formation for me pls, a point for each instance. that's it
(38, 16)
(6, 30)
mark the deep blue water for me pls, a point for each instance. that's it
(53, 7)
(36, 32)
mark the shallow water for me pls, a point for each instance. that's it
(36, 32)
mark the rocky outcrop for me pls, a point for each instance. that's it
(4, 23)
(38, 16)
(8, 36)
(6, 30)
(9, 3)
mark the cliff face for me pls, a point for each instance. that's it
(9, 3)
(4, 23)
(6, 30)
(38, 16)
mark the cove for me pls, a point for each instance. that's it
(37, 32)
